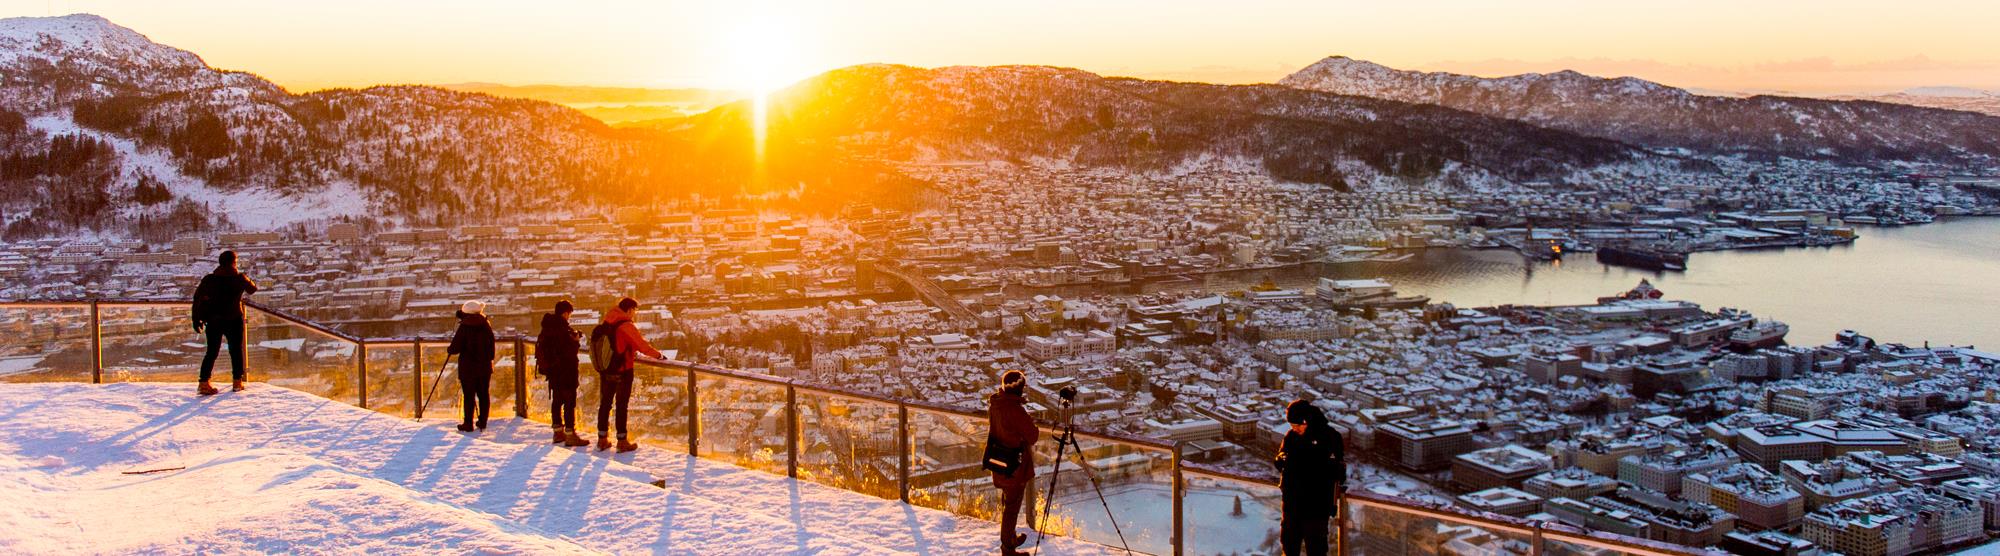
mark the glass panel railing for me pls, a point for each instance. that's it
(449, 401)
(742, 421)
(1227, 516)
(501, 389)
(283, 353)
(440, 382)
(1375, 530)
(1133, 483)
(944, 464)
(1563, 540)
(848, 443)
(155, 343)
(658, 410)
(538, 388)
(45, 343)
(392, 378)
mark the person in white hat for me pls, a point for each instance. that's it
(473, 344)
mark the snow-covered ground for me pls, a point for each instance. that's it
(272, 470)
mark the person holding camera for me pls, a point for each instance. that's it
(1015, 433)
(1312, 471)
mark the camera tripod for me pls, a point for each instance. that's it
(1063, 443)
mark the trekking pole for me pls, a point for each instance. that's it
(435, 382)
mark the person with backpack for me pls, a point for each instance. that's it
(1010, 426)
(218, 307)
(473, 344)
(1312, 471)
(614, 345)
(556, 360)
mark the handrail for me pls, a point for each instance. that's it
(1541, 532)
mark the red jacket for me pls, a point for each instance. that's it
(1007, 416)
(628, 340)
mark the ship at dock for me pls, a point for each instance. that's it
(1641, 257)
(1764, 333)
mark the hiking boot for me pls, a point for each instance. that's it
(465, 427)
(236, 386)
(560, 437)
(624, 446)
(482, 424)
(1019, 539)
(575, 440)
(204, 389)
(603, 443)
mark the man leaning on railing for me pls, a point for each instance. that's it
(1312, 470)
(218, 307)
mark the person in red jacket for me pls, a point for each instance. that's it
(1007, 416)
(615, 385)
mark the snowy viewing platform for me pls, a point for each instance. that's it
(152, 468)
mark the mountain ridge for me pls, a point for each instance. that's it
(1657, 116)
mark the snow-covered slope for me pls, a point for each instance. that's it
(272, 470)
(1645, 113)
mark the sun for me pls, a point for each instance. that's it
(762, 55)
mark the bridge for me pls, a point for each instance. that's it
(933, 294)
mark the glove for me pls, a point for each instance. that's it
(197, 327)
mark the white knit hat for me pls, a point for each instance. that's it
(473, 307)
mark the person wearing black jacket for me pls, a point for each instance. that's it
(1312, 469)
(473, 344)
(218, 307)
(556, 359)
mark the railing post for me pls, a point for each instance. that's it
(520, 378)
(694, 415)
(417, 370)
(791, 431)
(361, 372)
(1179, 491)
(1340, 520)
(96, 346)
(903, 452)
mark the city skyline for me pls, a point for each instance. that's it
(1832, 48)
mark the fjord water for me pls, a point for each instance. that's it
(1936, 282)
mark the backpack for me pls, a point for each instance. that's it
(604, 354)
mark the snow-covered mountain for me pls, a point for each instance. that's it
(1045, 113)
(1649, 114)
(170, 138)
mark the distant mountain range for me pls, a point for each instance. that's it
(612, 105)
(103, 130)
(1656, 116)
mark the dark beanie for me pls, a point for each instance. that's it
(1301, 412)
(226, 258)
(564, 306)
(1010, 378)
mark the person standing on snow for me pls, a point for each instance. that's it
(556, 359)
(218, 307)
(473, 344)
(1008, 421)
(1312, 471)
(614, 345)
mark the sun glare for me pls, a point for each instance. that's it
(762, 55)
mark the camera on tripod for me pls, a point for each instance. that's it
(1068, 394)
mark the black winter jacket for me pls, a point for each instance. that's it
(473, 344)
(219, 297)
(556, 351)
(1311, 466)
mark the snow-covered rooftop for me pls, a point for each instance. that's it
(151, 468)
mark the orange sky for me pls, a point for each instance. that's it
(1803, 46)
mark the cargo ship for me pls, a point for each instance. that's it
(1762, 334)
(1641, 257)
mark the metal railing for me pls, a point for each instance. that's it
(916, 452)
